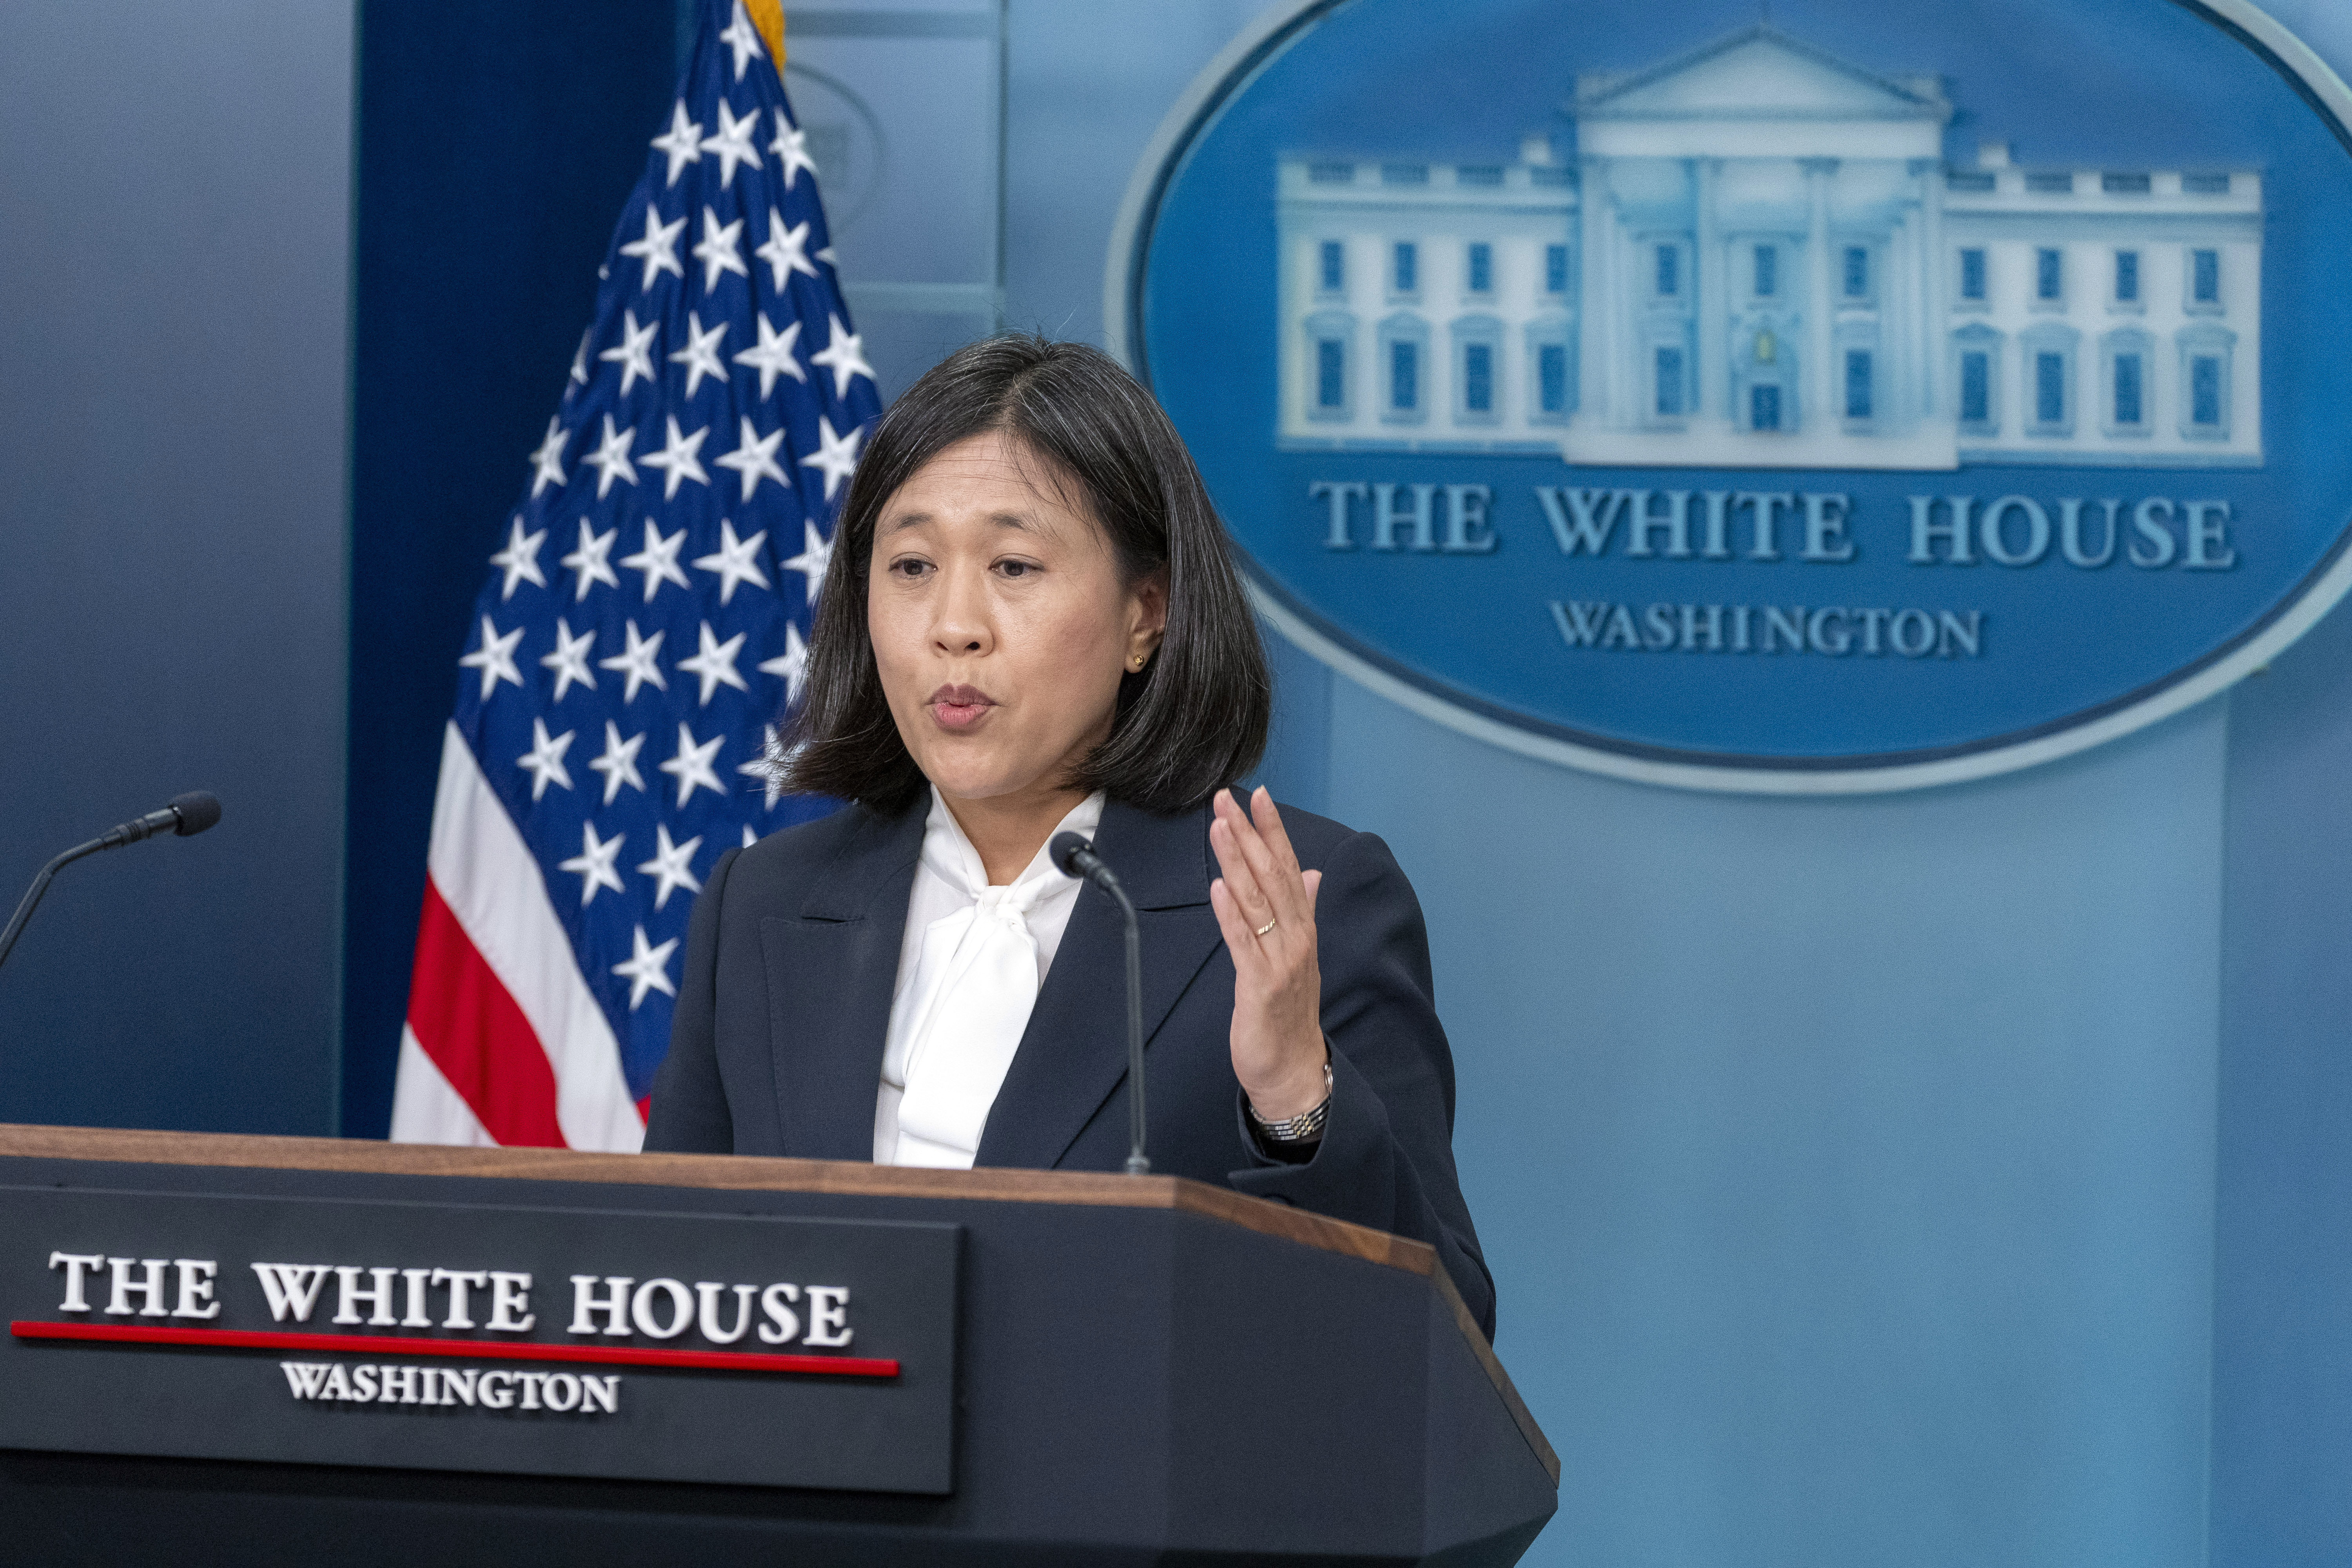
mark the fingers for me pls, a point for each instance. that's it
(1239, 888)
(1235, 926)
(1273, 868)
(1268, 822)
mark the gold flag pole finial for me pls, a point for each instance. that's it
(768, 15)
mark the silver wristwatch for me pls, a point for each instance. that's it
(1307, 1127)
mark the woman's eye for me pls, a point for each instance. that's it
(909, 568)
(1015, 568)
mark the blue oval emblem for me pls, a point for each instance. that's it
(1879, 396)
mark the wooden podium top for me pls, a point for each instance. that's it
(21, 1141)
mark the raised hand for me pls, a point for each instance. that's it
(1265, 906)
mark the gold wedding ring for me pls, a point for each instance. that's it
(1268, 926)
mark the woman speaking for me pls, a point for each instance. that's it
(1031, 625)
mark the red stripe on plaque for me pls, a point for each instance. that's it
(469, 1350)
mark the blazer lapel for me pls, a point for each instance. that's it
(830, 973)
(1073, 1056)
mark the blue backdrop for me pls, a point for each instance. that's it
(1948, 1178)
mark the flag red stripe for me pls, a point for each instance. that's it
(468, 1023)
(465, 1350)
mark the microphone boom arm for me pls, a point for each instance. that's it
(1076, 858)
(187, 814)
(32, 897)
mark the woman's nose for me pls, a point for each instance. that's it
(962, 625)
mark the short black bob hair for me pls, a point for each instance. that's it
(1190, 722)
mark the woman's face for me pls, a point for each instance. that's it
(1000, 625)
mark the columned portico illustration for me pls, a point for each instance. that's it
(1759, 258)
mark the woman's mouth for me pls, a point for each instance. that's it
(958, 707)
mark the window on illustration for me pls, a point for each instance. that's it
(1857, 271)
(1482, 268)
(2205, 276)
(1857, 384)
(1976, 387)
(1407, 267)
(1764, 407)
(2050, 388)
(1972, 274)
(1555, 269)
(1334, 267)
(2205, 390)
(1670, 270)
(2126, 277)
(1767, 271)
(2127, 389)
(1478, 378)
(1551, 377)
(1670, 382)
(1404, 375)
(1330, 374)
(2048, 274)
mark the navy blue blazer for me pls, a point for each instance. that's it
(792, 954)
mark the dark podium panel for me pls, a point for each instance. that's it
(1086, 1369)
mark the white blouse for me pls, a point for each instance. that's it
(968, 971)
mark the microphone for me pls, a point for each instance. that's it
(1073, 857)
(187, 814)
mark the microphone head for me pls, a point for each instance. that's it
(198, 810)
(1065, 849)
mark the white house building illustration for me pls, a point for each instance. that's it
(1759, 257)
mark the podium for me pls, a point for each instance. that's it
(279, 1349)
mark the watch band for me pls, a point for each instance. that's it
(1307, 1127)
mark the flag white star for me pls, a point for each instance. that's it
(646, 968)
(774, 355)
(843, 353)
(835, 456)
(659, 560)
(634, 353)
(791, 145)
(750, 838)
(494, 658)
(756, 459)
(683, 143)
(588, 561)
(611, 459)
(619, 762)
(700, 355)
(636, 662)
(816, 554)
(737, 560)
(580, 356)
(784, 249)
(763, 768)
(594, 862)
(520, 559)
(544, 761)
(672, 865)
(720, 250)
(570, 659)
(658, 249)
(548, 461)
(716, 663)
(743, 39)
(732, 143)
(792, 664)
(691, 766)
(677, 460)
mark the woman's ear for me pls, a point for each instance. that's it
(1146, 617)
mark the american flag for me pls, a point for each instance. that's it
(643, 628)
